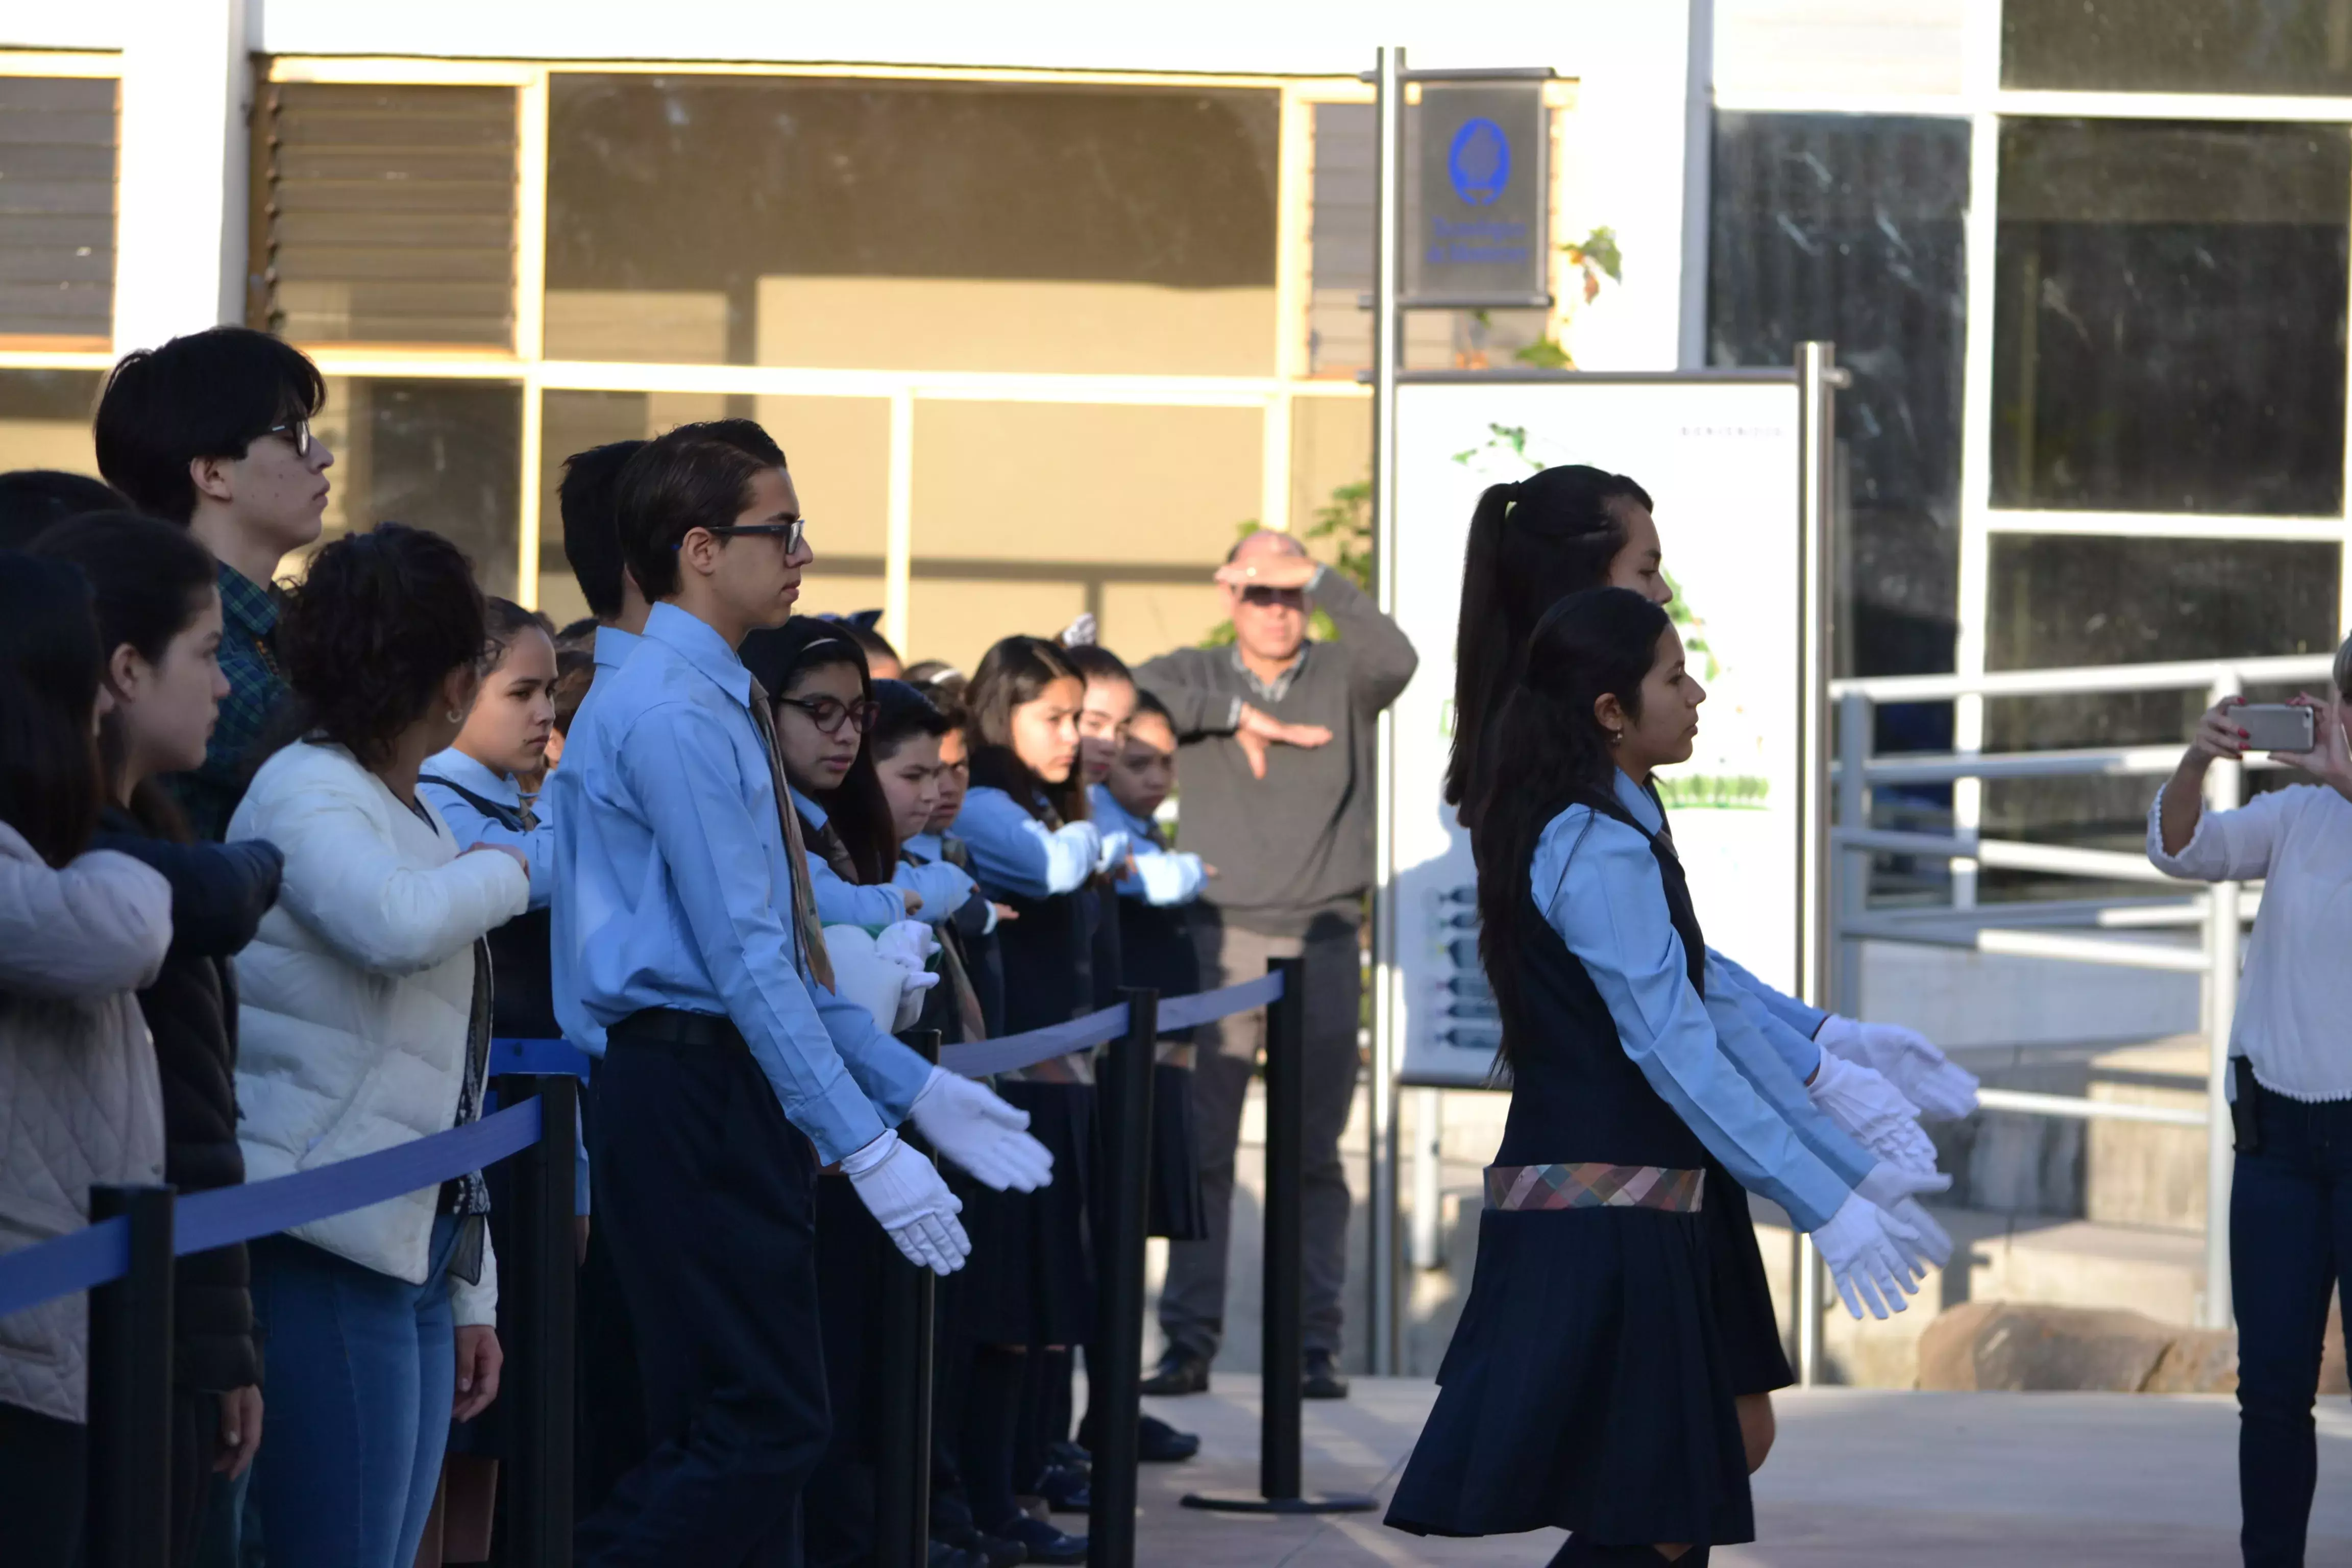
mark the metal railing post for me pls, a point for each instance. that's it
(2225, 790)
(902, 1391)
(1850, 890)
(1115, 1360)
(538, 1282)
(1428, 1185)
(129, 1367)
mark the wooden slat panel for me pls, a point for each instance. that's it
(391, 213)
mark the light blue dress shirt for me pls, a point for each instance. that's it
(1161, 876)
(1013, 853)
(1799, 1020)
(1598, 886)
(470, 826)
(674, 887)
(613, 648)
(841, 902)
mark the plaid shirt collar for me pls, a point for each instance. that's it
(247, 606)
(1279, 687)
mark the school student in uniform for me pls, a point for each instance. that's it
(1588, 1385)
(1573, 528)
(1035, 852)
(159, 618)
(683, 929)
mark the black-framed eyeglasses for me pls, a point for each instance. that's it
(297, 433)
(790, 532)
(830, 714)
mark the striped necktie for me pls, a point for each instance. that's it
(805, 925)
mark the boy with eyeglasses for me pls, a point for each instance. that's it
(213, 431)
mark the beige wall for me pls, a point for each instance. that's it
(1330, 445)
(670, 327)
(1014, 324)
(1102, 482)
(839, 449)
(47, 443)
(957, 619)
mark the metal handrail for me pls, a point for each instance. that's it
(2219, 911)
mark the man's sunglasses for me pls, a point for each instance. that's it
(790, 532)
(297, 433)
(830, 714)
(1262, 596)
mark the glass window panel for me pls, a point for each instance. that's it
(57, 208)
(911, 226)
(1849, 228)
(2063, 600)
(387, 214)
(442, 455)
(44, 419)
(2170, 317)
(2177, 45)
(1340, 261)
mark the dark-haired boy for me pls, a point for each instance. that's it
(685, 935)
(213, 431)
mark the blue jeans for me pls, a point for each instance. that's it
(2290, 1245)
(362, 1371)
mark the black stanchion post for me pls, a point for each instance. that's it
(130, 1361)
(1115, 1360)
(537, 1287)
(1285, 1354)
(902, 1459)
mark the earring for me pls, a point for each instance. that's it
(456, 716)
(1616, 737)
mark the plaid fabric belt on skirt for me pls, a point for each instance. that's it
(1589, 1186)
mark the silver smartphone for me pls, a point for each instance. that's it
(2274, 726)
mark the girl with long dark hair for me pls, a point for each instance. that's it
(81, 931)
(1565, 530)
(1035, 851)
(1589, 1385)
(159, 620)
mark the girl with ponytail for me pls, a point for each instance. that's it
(1851, 1091)
(1588, 1385)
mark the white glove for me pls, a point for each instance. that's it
(911, 946)
(1083, 840)
(1169, 876)
(1868, 1264)
(1908, 1059)
(1868, 1107)
(1896, 1191)
(966, 1122)
(1080, 633)
(944, 888)
(907, 1197)
(862, 975)
(1112, 852)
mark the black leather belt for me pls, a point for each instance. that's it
(672, 1026)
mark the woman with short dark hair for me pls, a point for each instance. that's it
(365, 1020)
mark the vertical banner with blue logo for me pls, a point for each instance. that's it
(1480, 231)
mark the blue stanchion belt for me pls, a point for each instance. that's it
(99, 1253)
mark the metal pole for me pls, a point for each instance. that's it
(538, 1282)
(902, 1391)
(129, 1505)
(1284, 1355)
(1115, 1360)
(1817, 376)
(2224, 786)
(1388, 113)
(1853, 885)
(1428, 1156)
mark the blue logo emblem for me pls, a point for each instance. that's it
(1479, 162)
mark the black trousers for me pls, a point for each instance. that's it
(43, 1465)
(610, 1435)
(709, 1202)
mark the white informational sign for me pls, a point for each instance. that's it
(1720, 458)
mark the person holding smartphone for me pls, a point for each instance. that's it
(2289, 1084)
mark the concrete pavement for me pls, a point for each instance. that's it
(1861, 1479)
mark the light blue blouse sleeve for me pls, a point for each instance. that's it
(1803, 1019)
(845, 903)
(470, 827)
(1746, 1030)
(1600, 889)
(1013, 852)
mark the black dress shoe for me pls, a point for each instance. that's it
(1323, 1379)
(1043, 1542)
(1066, 1490)
(1180, 1372)
(1158, 1443)
(992, 1550)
